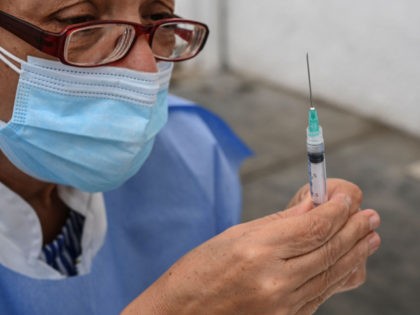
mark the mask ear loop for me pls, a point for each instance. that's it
(4, 53)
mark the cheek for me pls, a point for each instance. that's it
(9, 78)
(8, 85)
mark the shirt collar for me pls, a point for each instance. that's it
(21, 235)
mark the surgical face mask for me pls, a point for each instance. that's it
(90, 128)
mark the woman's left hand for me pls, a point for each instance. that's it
(303, 195)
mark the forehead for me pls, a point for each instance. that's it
(40, 6)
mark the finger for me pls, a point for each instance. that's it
(311, 307)
(304, 206)
(302, 201)
(338, 273)
(357, 278)
(302, 234)
(337, 186)
(301, 194)
(358, 226)
(334, 186)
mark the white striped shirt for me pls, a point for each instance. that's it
(62, 254)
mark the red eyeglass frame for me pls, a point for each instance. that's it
(53, 44)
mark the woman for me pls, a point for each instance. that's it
(83, 102)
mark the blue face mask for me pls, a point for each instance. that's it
(90, 128)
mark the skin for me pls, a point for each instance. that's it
(286, 263)
(42, 196)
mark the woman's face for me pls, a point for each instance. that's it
(55, 15)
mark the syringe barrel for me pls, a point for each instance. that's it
(315, 148)
(317, 180)
(316, 166)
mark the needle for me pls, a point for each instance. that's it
(309, 78)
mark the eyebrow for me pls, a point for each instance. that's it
(170, 4)
(44, 6)
(65, 4)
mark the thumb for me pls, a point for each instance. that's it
(303, 206)
(300, 208)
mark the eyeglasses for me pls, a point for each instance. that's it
(98, 43)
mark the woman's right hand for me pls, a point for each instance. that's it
(283, 264)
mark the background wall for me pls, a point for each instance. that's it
(211, 12)
(364, 54)
(363, 61)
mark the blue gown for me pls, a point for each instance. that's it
(187, 192)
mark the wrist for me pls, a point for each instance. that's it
(163, 297)
(150, 302)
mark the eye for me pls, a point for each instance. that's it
(161, 16)
(152, 11)
(152, 18)
(76, 19)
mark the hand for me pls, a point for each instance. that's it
(283, 264)
(334, 186)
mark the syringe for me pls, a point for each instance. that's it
(316, 152)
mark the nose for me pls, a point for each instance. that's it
(139, 58)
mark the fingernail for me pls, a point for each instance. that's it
(374, 221)
(374, 242)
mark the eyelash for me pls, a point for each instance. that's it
(160, 16)
(77, 19)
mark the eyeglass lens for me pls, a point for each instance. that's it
(105, 43)
(98, 44)
(177, 40)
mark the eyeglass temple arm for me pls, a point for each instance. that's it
(46, 42)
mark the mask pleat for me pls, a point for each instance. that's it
(87, 128)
